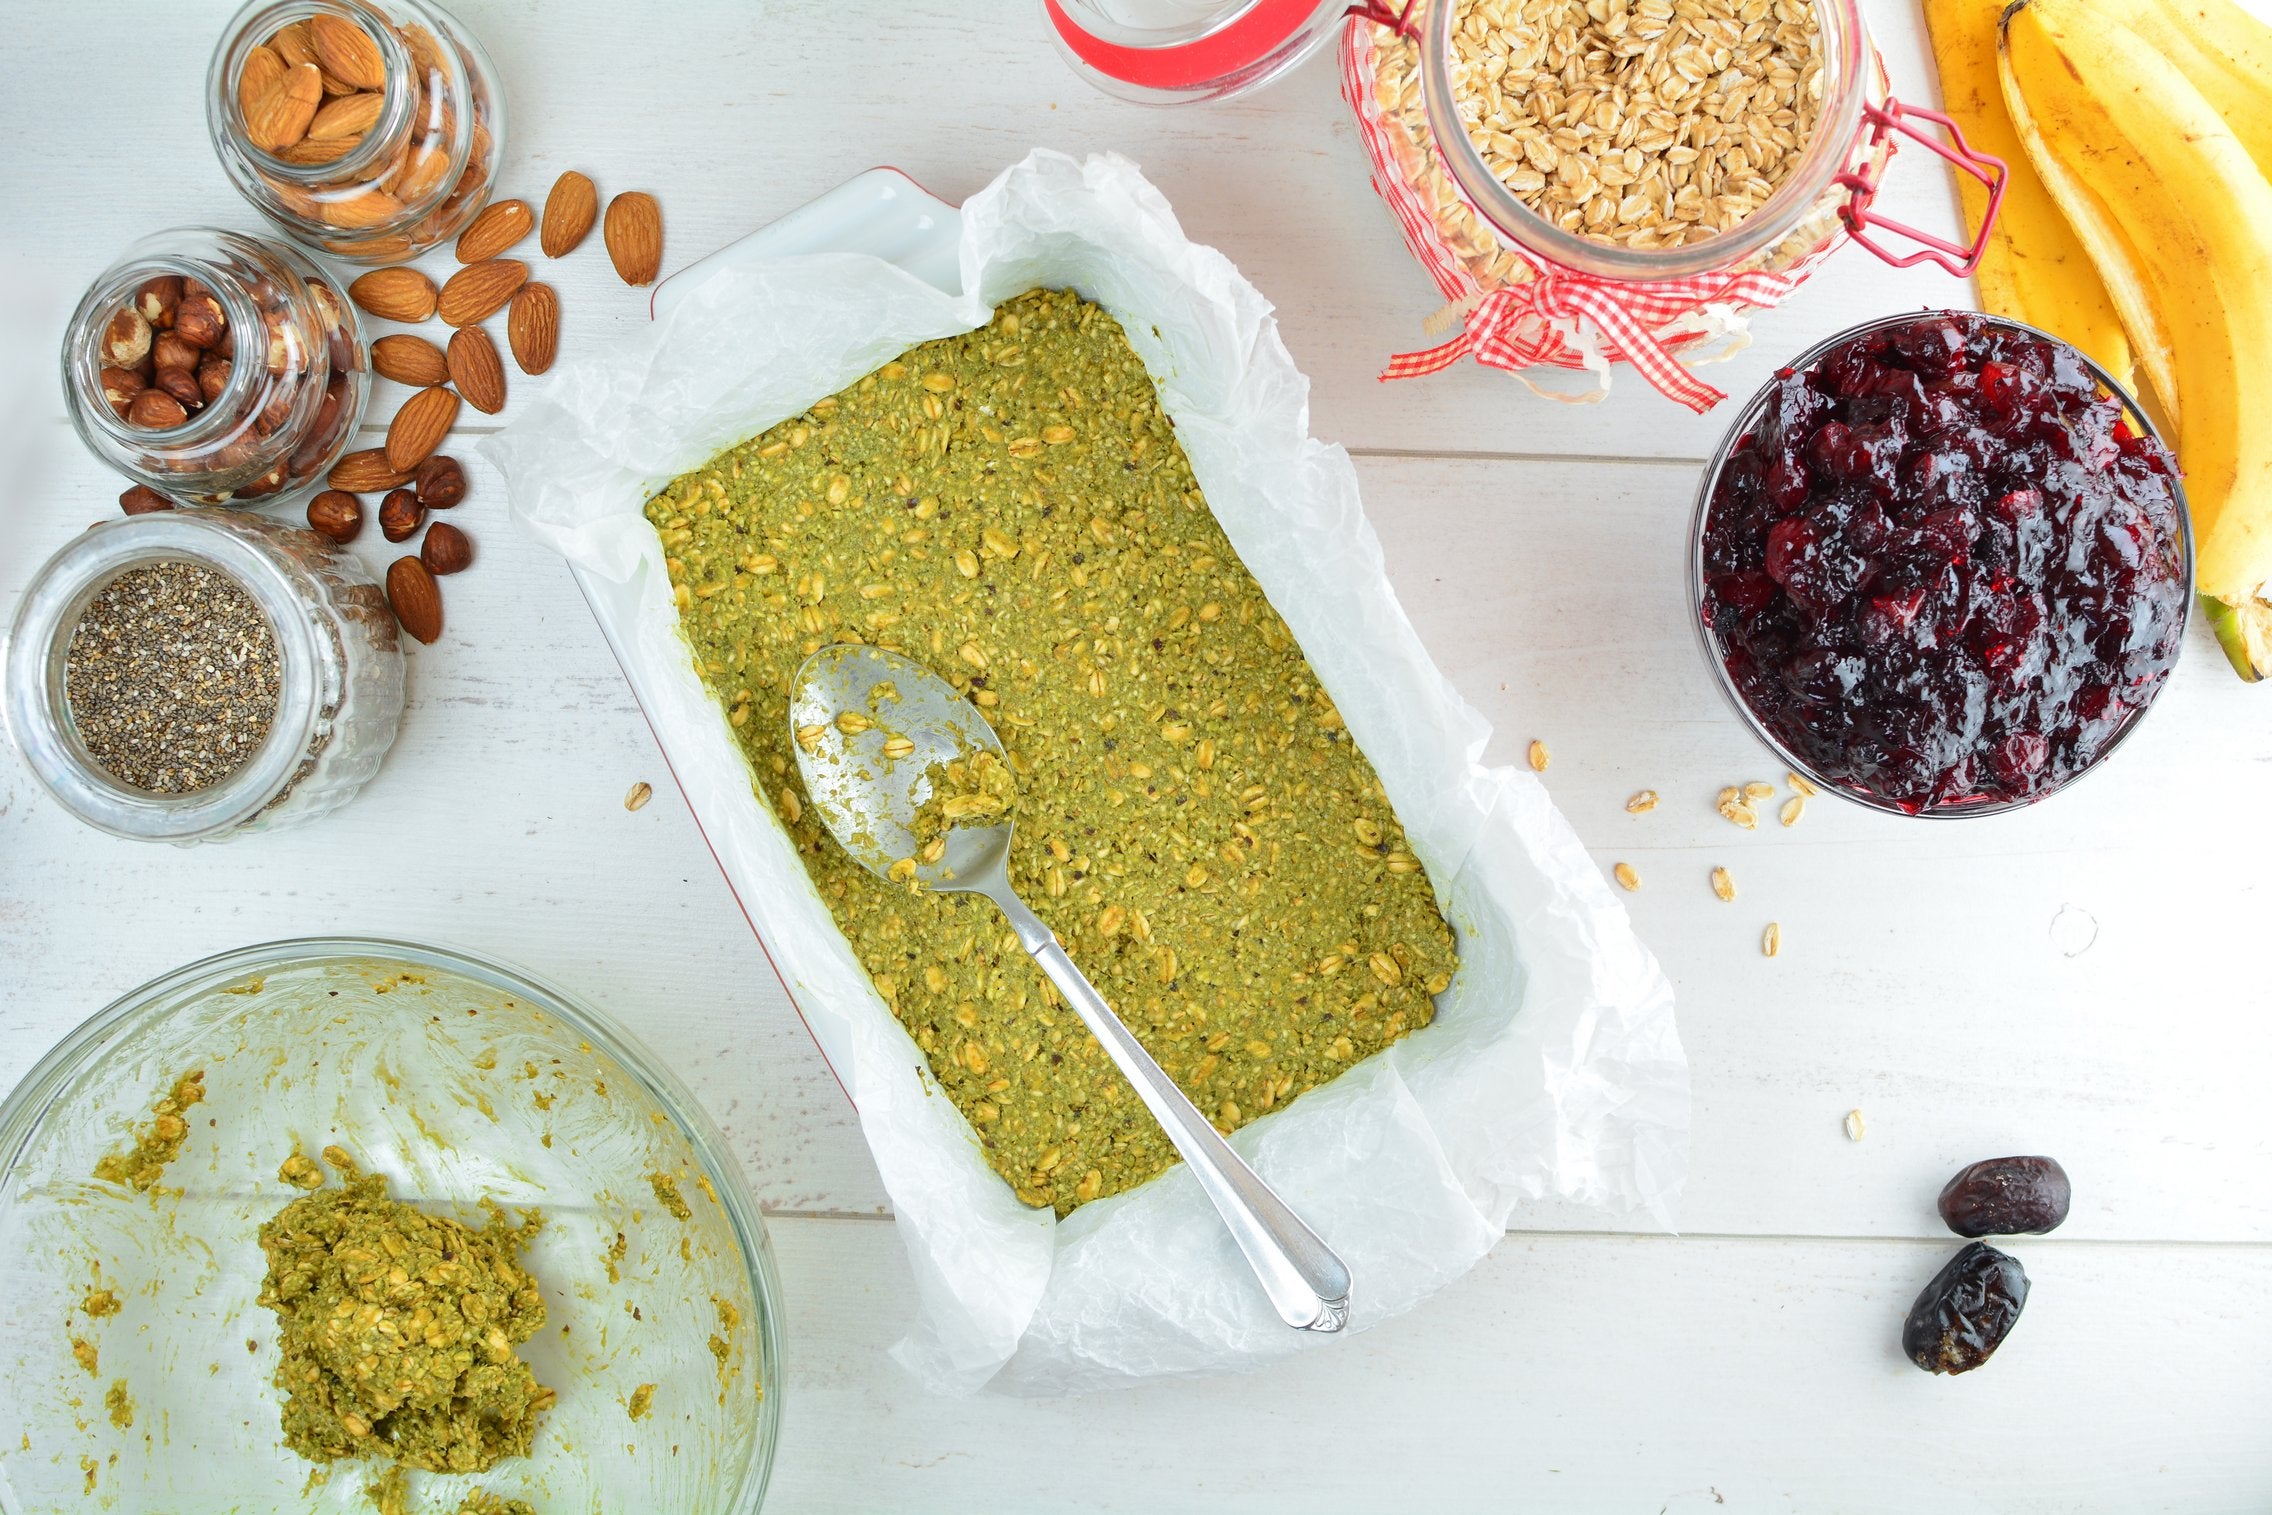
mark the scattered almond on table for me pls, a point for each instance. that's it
(407, 468)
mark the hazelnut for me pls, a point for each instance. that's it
(267, 483)
(157, 300)
(155, 410)
(142, 499)
(212, 378)
(337, 514)
(182, 384)
(323, 431)
(126, 341)
(440, 482)
(170, 351)
(446, 549)
(227, 346)
(120, 386)
(199, 321)
(400, 515)
(283, 345)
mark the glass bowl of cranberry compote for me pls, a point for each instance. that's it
(1942, 563)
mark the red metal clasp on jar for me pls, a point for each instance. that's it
(1893, 117)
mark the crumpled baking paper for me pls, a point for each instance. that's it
(1552, 1067)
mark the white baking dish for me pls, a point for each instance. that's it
(1552, 1068)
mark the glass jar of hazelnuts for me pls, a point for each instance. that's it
(216, 368)
(370, 129)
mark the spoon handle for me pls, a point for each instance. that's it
(1307, 1283)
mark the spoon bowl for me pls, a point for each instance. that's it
(912, 781)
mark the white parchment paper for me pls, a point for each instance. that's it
(1552, 1068)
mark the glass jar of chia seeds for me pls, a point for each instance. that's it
(371, 129)
(216, 368)
(195, 676)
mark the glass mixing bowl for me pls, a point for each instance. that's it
(459, 1080)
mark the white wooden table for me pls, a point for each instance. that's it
(2085, 980)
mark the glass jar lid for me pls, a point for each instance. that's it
(1176, 50)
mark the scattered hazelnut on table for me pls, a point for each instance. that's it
(446, 549)
(440, 482)
(336, 514)
(400, 515)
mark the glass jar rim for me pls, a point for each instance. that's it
(83, 363)
(38, 651)
(1741, 426)
(1848, 58)
(251, 167)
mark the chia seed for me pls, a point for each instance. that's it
(172, 677)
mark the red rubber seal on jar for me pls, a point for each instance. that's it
(1189, 65)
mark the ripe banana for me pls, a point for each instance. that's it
(2111, 117)
(2222, 49)
(2033, 269)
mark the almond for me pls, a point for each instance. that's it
(418, 428)
(533, 327)
(569, 212)
(409, 360)
(370, 207)
(634, 235)
(262, 69)
(480, 290)
(395, 294)
(416, 598)
(476, 369)
(494, 230)
(365, 472)
(291, 44)
(281, 115)
(346, 119)
(346, 51)
(309, 151)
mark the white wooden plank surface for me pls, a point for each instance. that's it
(1923, 978)
(1582, 1374)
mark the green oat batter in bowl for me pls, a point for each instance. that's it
(1011, 507)
(549, 1291)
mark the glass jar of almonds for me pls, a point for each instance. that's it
(214, 367)
(368, 128)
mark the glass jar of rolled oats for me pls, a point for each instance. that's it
(369, 128)
(1622, 179)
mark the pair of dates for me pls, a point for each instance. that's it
(1971, 1305)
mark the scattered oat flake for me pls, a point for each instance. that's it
(1771, 940)
(1645, 801)
(1723, 884)
(1793, 808)
(1854, 1126)
(1539, 757)
(641, 792)
(1627, 879)
(1756, 791)
(1799, 783)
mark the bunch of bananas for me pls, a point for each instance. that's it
(2143, 234)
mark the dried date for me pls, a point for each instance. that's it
(1965, 1313)
(2007, 1196)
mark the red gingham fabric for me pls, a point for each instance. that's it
(1527, 325)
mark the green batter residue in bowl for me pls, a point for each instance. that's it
(1012, 507)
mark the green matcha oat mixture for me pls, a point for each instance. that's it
(1012, 508)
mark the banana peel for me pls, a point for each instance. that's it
(2034, 269)
(2118, 128)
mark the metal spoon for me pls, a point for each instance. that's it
(869, 799)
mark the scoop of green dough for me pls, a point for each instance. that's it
(398, 1329)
